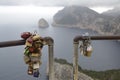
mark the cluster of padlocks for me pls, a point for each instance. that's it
(34, 44)
(86, 47)
(32, 52)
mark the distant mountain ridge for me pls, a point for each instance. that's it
(85, 18)
(114, 12)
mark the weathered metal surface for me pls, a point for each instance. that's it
(76, 43)
(77, 38)
(48, 41)
(12, 43)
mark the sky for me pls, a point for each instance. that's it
(88, 3)
(97, 5)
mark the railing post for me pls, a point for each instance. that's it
(49, 41)
(50, 44)
(76, 43)
(75, 61)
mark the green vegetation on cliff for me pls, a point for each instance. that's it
(97, 75)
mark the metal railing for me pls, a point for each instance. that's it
(49, 41)
(76, 45)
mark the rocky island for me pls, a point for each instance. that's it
(42, 23)
(85, 18)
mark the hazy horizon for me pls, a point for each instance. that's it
(41, 9)
(88, 3)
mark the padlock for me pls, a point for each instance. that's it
(31, 49)
(36, 73)
(86, 48)
(30, 70)
(35, 54)
(30, 40)
(35, 57)
(36, 65)
(26, 59)
(26, 51)
(89, 50)
(28, 44)
(82, 48)
(38, 44)
(25, 35)
(36, 37)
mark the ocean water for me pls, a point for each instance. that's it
(104, 57)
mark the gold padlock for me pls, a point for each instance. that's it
(88, 51)
(28, 44)
(35, 54)
(26, 59)
(36, 37)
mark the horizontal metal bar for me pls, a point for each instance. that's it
(77, 38)
(12, 43)
(48, 40)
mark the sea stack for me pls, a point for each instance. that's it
(42, 23)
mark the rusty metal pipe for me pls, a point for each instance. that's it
(76, 43)
(49, 41)
(77, 38)
(75, 62)
(12, 43)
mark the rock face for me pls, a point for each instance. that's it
(115, 19)
(43, 23)
(85, 18)
(64, 72)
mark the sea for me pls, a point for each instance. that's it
(105, 56)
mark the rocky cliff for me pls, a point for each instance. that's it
(85, 18)
(64, 72)
(115, 19)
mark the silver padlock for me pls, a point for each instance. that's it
(86, 48)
